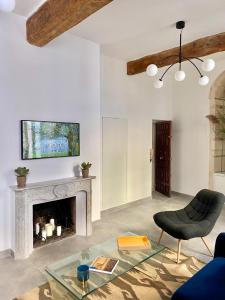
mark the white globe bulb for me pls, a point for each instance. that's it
(204, 80)
(208, 65)
(179, 75)
(158, 84)
(7, 5)
(152, 70)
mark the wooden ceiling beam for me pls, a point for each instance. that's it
(55, 17)
(198, 48)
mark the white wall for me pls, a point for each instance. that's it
(134, 98)
(190, 142)
(60, 82)
(114, 162)
(185, 103)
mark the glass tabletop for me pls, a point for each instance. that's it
(65, 271)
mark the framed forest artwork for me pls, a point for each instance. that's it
(44, 139)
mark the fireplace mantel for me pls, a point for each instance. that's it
(42, 192)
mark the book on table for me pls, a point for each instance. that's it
(133, 242)
(104, 265)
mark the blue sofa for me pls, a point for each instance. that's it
(209, 282)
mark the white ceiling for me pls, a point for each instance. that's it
(130, 29)
(27, 7)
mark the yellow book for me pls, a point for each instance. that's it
(133, 242)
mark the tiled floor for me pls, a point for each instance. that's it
(16, 277)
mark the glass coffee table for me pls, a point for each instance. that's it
(62, 274)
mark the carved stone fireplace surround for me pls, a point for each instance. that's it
(42, 192)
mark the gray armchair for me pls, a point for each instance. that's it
(197, 219)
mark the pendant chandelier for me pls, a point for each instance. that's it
(207, 65)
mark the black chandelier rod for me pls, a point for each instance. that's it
(194, 57)
(180, 51)
(190, 57)
(187, 58)
(182, 59)
(161, 78)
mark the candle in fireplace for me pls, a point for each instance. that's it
(37, 228)
(44, 235)
(49, 229)
(52, 221)
(59, 230)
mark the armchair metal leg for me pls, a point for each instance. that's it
(178, 251)
(161, 234)
(207, 246)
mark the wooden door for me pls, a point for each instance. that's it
(163, 157)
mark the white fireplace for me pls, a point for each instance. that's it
(24, 199)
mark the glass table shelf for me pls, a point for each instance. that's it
(64, 271)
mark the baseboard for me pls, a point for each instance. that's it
(123, 206)
(6, 253)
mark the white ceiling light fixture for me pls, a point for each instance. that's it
(7, 5)
(207, 65)
(179, 75)
(158, 84)
(152, 70)
(204, 80)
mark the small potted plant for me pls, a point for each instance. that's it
(85, 169)
(21, 174)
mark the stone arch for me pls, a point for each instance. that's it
(216, 97)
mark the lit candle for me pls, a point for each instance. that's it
(37, 228)
(59, 230)
(44, 235)
(52, 221)
(49, 230)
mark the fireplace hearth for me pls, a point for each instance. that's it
(63, 215)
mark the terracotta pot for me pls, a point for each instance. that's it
(21, 181)
(85, 173)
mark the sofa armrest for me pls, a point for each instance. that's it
(220, 246)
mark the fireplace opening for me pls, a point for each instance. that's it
(53, 221)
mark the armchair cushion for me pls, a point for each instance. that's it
(179, 225)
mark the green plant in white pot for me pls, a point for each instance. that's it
(85, 166)
(21, 174)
